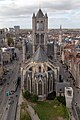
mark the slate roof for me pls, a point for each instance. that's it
(40, 14)
(39, 56)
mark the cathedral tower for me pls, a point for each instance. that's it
(39, 74)
(60, 35)
(40, 28)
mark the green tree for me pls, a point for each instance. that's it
(34, 98)
(26, 94)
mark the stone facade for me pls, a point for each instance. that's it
(40, 28)
(39, 73)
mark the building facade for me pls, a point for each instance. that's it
(40, 28)
(39, 73)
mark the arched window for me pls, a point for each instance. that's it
(37, 25)
(25, 84)
(44, 88)
(42, 38)
(35, 88)
(40, 88)
(40, 25)
(39, 68)
(37, 38)
(28, 84)
(50, 84)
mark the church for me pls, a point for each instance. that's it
(39, 72)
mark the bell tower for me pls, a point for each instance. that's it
(40, 28)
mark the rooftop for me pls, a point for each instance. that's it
(39, 56)
(40, 14)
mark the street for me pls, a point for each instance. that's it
(76, 92)
(6, 109)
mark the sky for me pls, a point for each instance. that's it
(60, 12)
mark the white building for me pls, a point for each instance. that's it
(68, 96)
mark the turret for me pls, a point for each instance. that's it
(33, 15)
(40, 28)
(46, 15)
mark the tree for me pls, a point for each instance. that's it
(26, 94)
(34, 98)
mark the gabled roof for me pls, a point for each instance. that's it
(39, 56)
(40, 14)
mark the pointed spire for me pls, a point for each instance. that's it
(60, 27)
(46, 15)
(40, 14)
(33, 15)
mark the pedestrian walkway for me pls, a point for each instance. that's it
(32, 113)
(30, 110)
(71, 114)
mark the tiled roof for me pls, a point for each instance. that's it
(39, 56)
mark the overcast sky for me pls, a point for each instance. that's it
(60, 12)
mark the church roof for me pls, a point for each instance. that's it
(40, 14)
(39, 56)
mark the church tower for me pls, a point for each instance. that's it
(60, 35)
(39, 74)
(40, 28)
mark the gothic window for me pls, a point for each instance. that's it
(50, 84)
(79, 69)
(44, 88)
(28, 84)
(42, 38)
(40, 25)
(25, 84)
(40, 88)
(37, 38)
(37, 25)
(31, 84)
(39, 68)
(35, 88)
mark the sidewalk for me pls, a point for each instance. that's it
(30, 110)
(71, 114)
(19, 106)
(32, 113)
